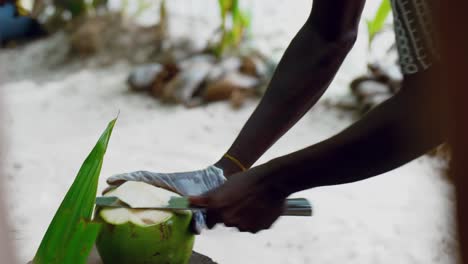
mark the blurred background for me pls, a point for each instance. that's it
(185, 76)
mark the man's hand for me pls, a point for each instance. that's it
(244, 202)
(183, 183)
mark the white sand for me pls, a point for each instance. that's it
(53, 118)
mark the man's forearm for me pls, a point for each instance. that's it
(389, 136)
(303, 74)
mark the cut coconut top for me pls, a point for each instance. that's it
(138, 194)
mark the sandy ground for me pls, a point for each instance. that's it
(53, 117)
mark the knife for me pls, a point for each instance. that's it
(293, 206)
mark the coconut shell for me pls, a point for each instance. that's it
(143, 236)
(166, 242)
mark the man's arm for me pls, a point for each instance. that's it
(303, 74)
(397, 131)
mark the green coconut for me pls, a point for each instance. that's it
(140, 235)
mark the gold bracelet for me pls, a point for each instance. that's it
(236, 161)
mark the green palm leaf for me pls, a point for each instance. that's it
(71, 234)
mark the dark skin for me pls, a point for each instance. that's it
(302, 76)
(392, 134)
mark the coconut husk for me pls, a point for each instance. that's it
(166, 75)
(234, 86)
(113, 36)
(374, 88)
(255, 65)
(242, 80)
(143, 77)
(175, 50)
(185, 85)
(367, 87)
(374, 100)
(87, 39)
(249, 66)
(239, 96)
(218, 91)
(227, 65)
(382, 75)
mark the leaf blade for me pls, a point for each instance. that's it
(375, 25)
(66, 228)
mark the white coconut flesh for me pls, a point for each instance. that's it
(139, 194)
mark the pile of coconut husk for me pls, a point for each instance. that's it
(175, 71)
(369, 90)
(112, 35)
(203, 78)
(109, 37)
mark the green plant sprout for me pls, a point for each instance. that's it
(376, 25)
(231, 38)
